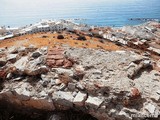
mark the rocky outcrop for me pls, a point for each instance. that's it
(107, 85)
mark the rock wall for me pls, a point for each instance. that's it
(116, 85)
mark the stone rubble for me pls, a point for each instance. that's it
(144, 37)
(108, 85)
(93, 102)
(80, 98)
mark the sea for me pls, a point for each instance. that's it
(15, 13)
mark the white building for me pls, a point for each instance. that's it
(6, 36)
(12, 28)
(48, 25)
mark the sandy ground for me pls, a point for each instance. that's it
(50, 39)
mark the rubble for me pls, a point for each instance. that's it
(144, 37)
(36, 54)
(71, 86)
(12, 57)
(80, 98)
(104, 84)
(63, 98)
(135, 69)
(135, 92)
(3, 59)
(151, 108)
(13, 50)
(93, 102)
(3, 74)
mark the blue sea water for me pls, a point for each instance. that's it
(96, 12)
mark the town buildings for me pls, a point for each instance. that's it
(43, 26)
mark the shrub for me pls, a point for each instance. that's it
(60, 37)
(81, 38)
(44, 36)
(101, 40)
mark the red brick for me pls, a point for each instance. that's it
(67, 63)
(59, 62)
(56, 57)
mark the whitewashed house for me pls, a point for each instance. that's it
(6, 36)
(59, 26)
(12, 29)
(49, 25)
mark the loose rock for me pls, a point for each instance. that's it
(93, 102)
(80, 98)
(63, 98)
